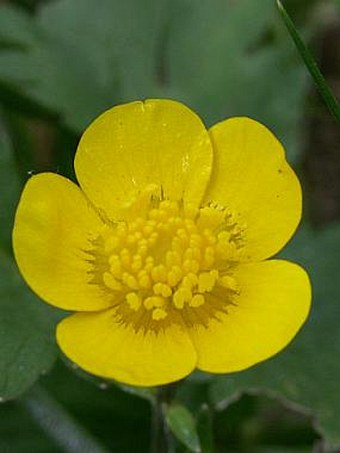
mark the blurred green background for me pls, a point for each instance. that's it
(62, 62)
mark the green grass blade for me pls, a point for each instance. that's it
(311, 64)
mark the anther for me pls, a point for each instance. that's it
(174, 276)
(144, 279)
(158, 273)
(209, 256)
(136, 263)
(115, 266)
(191, 266)
(162, 290)
(228, 282)
(197, 301)
(125, 257)
(154, 302)
(158, 314)
(181, 296)
(134, 301)
(111, 282)
(206, 281)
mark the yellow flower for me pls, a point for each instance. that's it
(160, 250)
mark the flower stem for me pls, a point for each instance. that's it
(59, 425)
(161, 438)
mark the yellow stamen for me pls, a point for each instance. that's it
(197, 301)
(159, 314)
(181, 296)
(111, 282)
(168, 259)
(134, 301)
(154, 302)
(206, 281)
(228, 282)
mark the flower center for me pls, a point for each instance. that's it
(172, 264)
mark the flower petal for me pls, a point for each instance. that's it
(273, 304)
(53, 225)
(252, 178)
(105, 347)
(132, 146)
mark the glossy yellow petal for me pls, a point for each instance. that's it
(101, 345)
(252, 178)
(53, 228)
(273, 304)
(159, 147)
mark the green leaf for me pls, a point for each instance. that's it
(182, 425)
(9, 189)
(74, 416)
(27, 346)
(193, 51)
(307, 373)
(106, 411)
(65, 431)
(16, 28)
(41, 423)
(19, 432)
(311, 64)
(221, 71)
(205, 429)
(83, 59)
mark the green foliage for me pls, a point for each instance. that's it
(27, 347)
(307, 372)
(9, 188)
(76, 59)
(182, 425)
(65, 412)
(211, 61)
(205, 429)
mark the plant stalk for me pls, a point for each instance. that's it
(161, 438)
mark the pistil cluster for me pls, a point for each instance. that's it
(173, 261)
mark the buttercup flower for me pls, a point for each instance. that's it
(160, 251)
